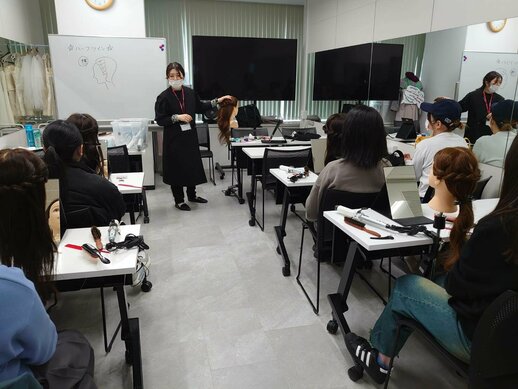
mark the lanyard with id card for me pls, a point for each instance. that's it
(183, 126)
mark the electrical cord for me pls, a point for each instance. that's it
(129, 242)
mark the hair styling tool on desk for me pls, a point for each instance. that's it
(97, 237)
(94, 253)
(361, 226)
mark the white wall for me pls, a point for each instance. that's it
(340, 23)
(480, 38)
(20, 21)
(125, 18)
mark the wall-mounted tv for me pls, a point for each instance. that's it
(248, 68)
(343, 74)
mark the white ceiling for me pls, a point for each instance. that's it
(288, 2)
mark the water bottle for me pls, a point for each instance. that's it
(37, 138)
(29, 133)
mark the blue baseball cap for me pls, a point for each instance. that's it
(447, 111)
(505, 111)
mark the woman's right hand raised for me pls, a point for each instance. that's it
(184, 118)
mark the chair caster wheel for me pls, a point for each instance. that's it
(222, 177)
(286, 271)
(251, 222)
(146, 219)
(332, 326)
(241, 201)
(355, 373)
(292, 207)
(146, 286)
(127, 357)
(278, 249)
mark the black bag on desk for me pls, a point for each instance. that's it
(248, 116)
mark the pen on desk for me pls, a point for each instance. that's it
(361, 226)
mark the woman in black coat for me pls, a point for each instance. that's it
(174, 110)
(478, 104)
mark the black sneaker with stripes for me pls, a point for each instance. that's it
(365, 356)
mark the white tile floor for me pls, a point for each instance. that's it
(221, 315)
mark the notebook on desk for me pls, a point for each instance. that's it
(403, 196)
(275, 141)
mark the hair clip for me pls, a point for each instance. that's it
(467, 200)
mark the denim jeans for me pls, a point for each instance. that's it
(423, 300)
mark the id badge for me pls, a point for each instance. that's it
(185, 126)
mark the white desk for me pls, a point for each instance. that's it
(132, 183)
(294, 192)
(76, 270)
(128, 183)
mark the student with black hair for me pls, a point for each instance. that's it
(362, 152)
(92, 153)
(478, 104)
(79, 186)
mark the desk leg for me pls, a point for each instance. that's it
(130, 334)
(251, 197)
(144, 205)
(280, 232)
(338, 300)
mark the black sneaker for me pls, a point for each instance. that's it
(365, 356)
(200, 200)
(183, 207)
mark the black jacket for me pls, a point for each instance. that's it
(82, 188)
(481, 274)
(182, 163)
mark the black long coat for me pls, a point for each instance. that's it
(181, 153)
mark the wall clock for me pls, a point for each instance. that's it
(99, 5)
(497, 25)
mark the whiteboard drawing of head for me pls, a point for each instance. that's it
(104, 69)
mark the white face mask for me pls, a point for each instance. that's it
(493, 88)
(176, 84)
(427, 131)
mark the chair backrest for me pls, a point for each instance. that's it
(493, 187)
(493, 352)
(479, 188)
(245, 131)
(318, 152)
(25, 381)
(328, 202)
(202, 129)
(118, 159)
(261, 131)
(275, 157)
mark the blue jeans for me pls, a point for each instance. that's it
(420, 299)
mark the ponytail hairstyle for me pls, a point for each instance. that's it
(507, 207)
(458, 168)
(25, 236)
(92, 152)
(226, 107)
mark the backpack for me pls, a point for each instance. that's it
(248, 116)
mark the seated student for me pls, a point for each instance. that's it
(491, 149)
(443, 118)
(80, 188)
(92, 154)
(28, 337)
(333, 129)
(360, 168)
(478, 272)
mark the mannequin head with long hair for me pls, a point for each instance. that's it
(227, 111)
(455, 170)
(89, 129)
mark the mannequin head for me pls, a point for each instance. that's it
(89, 130)
(333, 129)
(53, 218)
(443, 115)
(504, 116)
(226, 115)
(491, 82)
(25, 237)
(454, 176)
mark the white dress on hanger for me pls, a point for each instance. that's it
(18, 83)
(49, 108)
(6, 113)
(38, 87)
(11, 89)
(26, 83)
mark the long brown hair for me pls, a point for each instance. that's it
(226, 107)
(458, 168)
(333, 128)
(89, 129)
(25, 237)
(507, 207)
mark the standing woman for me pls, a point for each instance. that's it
(478, 104)
(174, 110)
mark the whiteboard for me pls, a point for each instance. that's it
(108, 77)
(476, 64)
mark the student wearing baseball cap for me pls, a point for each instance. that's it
(492, 149)
(443, 118)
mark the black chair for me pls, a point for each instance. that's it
(273, 158)
(118, 159)
(493, 350)
(204, 141)
(324, 229)
(477, 193)
(81, 218)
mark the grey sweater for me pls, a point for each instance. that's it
(341, 175)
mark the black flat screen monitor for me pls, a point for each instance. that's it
(248, 68)
(345, 73)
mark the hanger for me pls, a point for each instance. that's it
(7, 58)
